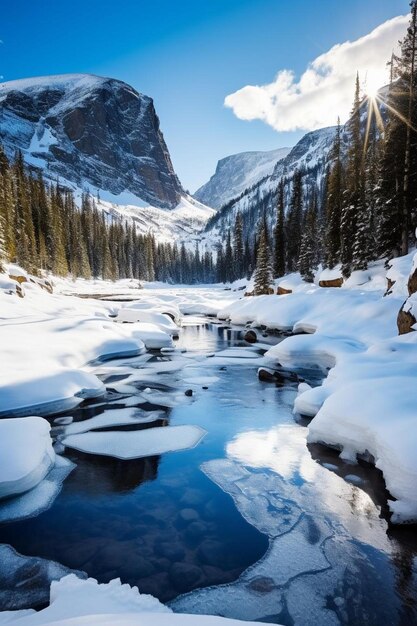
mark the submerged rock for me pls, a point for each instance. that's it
(25, 581)
(274, 376)
(185, 576)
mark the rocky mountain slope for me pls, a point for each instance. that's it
(236, 173)
(310, 154)
(91, 131)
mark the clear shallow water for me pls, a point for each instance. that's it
(251, 522)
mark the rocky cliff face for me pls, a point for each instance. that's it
(236, 173)
(90, 130)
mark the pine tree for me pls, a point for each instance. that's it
(228, 260)
(364, 249)
(409, 77)
(263, 271)
(308, 260)
(294, 221)
(26, 246)
(353, 201)
(238, 250)
(279, 234)
(396, 197)
(333, 203)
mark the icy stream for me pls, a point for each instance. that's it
(248, 523)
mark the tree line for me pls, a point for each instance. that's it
(42, 228)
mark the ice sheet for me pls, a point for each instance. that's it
(136, 444)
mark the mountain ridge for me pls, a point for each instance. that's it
(90, 129)
(236, 172)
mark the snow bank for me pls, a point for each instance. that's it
(45, 340)
(376, 417)
(399, 271)
(368, 403)
(334, 311)
(153, 336)
(136, 444)
(156, 319)
(75, 602)
(26, 454)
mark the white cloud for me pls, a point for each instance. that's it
(325, 89)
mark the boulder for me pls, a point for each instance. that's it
(43, 283)
(185, 576)
(268, 375)
(390, 285)
(405, 321)
(335, 282)
(250, 336)
(412, 282)
(19, 278)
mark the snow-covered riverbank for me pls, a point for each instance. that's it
(367, 405)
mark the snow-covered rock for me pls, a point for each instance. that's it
(26, 454)
(152, 318)
(407, 315)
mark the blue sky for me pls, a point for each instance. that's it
(188, 55)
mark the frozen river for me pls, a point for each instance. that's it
(250, 523)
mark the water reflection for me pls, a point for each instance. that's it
(99, 475)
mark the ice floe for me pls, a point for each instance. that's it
(112, 417)
(136, 444)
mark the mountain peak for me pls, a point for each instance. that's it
(92, 131)
(237, 172)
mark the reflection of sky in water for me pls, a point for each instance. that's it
(282, 450)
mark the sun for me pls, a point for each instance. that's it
(371, 91)
(371, 86)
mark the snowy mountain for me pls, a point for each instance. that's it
(91, 131)
(182, 223)
(310, 154)
(236, 173)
